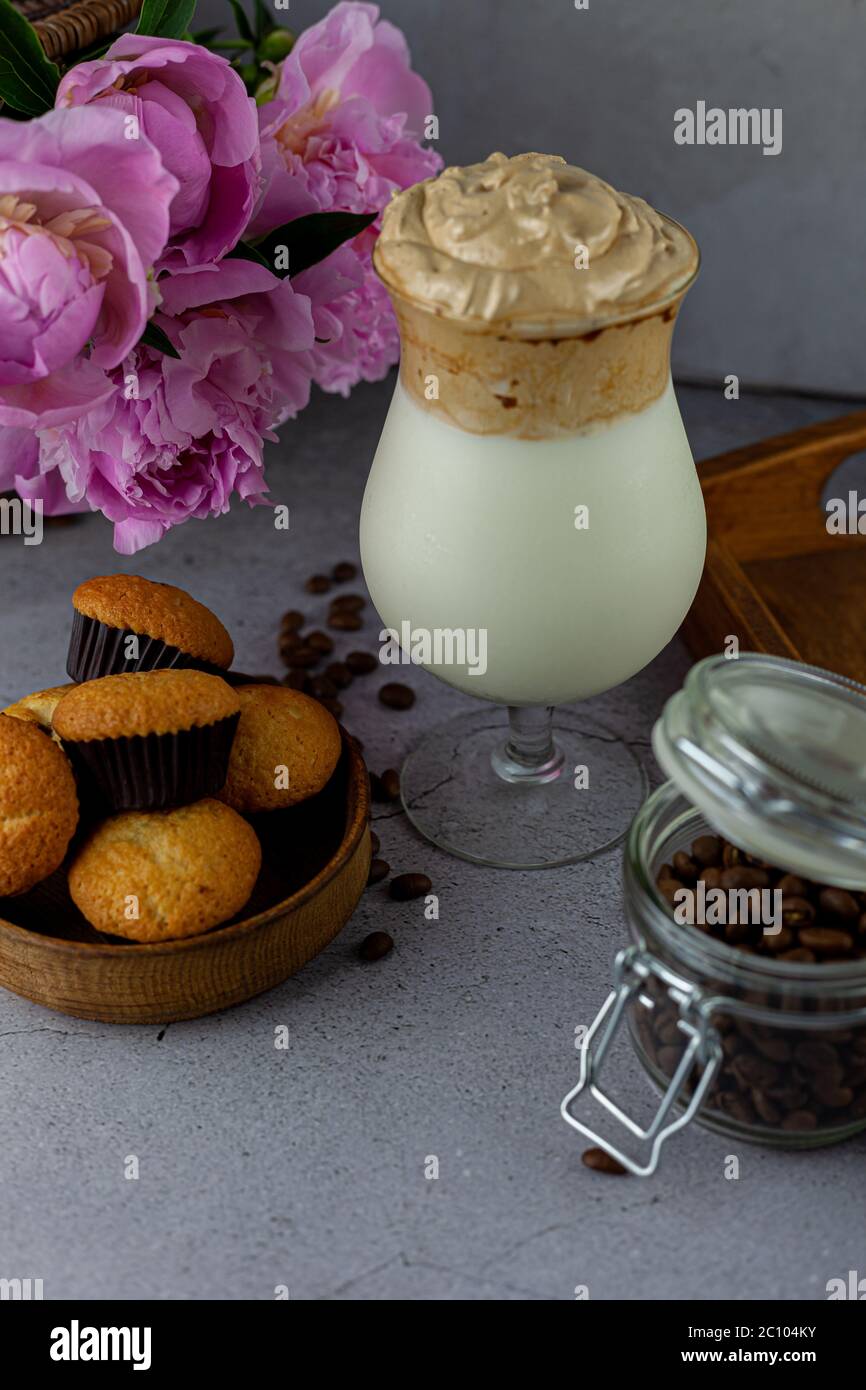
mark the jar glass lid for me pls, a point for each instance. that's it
(774, 753)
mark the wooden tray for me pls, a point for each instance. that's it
(774, 577)
(316, 864)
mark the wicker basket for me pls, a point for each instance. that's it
(67, 29)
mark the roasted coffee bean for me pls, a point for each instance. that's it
(339, 673)
(345, 622)
(739, 1107)
(317, 584)
(362, 663)
(375, 843)
(836, 902)
(669, 888)
(305, 657)
(322, 688)
(712, 877)
(397, 696)
(376, 945)
(767, 1110)
(290, 640)
(333, 707)
(816, 1056)
(731, 856)
(407, 886)
(797, 912)
(805, 1120)
(861, 924)
(735, 931)
(347, 603)
(858, 1107)
(297, 679)
(826, 941)
(800, 955)
(292, 621)
(832, 1093)
(603, 1162)
(390, 780)
(743, 876)
(755, 1071)
(343, 572)
(777, 941)
(792, 886)
(319, 641)
(669, 1058)
(685, 868)
(378, 870)
(669, 1033)
(775, 1049)
(707, 851)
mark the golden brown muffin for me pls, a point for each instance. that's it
(126, 601)
(285, 749)
(143, 702)
(38, 805)
(160, 875)
(39, 707)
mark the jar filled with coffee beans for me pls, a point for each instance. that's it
(744, 988)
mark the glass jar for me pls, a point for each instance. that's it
(770, 754)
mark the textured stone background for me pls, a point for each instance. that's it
(305, 1167)
(782, 237)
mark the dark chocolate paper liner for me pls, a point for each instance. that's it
(98, 650)
(150, 772)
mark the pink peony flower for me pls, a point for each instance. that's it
(342, 133)
(178, 437)
(194, 108)
(83, 217)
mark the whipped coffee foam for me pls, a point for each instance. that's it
(530, 245)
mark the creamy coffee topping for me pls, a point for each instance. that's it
(530, 245)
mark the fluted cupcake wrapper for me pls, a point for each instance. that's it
(98, 650)
(151, 772)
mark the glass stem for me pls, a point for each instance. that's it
(529, 754)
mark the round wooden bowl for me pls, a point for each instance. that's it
(316, 860)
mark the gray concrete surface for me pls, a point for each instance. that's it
(305, 1168)
(780, 234)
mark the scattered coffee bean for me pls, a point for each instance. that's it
(317, 584)
(397, 696)
(343, 572)
(292, 621)
(333, 707)
(407, 886)
(322, 688)
(319, 641)
(297, 680)
(347, 603)
(362, 663)
(378, 870)
(826, 941)
(602, 1162)
(345, 622)
(390, 780)
(339, 673)
(376, 945)
(303, 656)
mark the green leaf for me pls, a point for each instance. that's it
(264, 20)
(28, 81)
(244, 27)
(230, 45)
(245, 252)
(311, 239)
(166, 19)
(154, 337)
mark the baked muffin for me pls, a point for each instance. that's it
(285, 749)
(149, 739)
(38, 805)
(123, 623)
(162, 875)
(39, 707)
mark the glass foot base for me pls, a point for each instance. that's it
(455, 797)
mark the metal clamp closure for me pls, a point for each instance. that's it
(633, 970)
